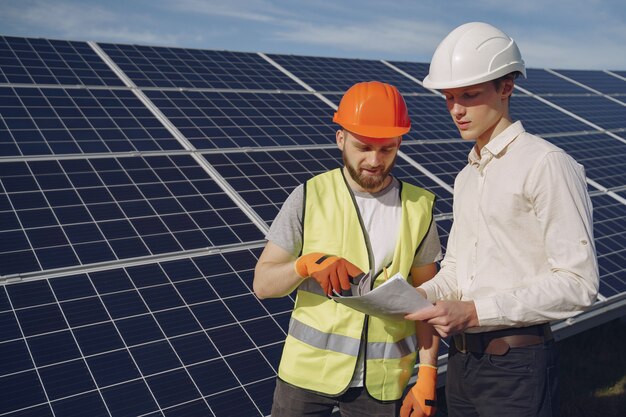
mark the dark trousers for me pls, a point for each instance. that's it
(290, 401)
(521, 383)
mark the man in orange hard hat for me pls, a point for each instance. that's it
(332, 228)
(520, 252)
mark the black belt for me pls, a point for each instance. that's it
(498, 342)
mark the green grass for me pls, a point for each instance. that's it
(592, 373)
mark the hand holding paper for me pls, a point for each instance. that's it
(393, 299)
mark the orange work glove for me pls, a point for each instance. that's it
(331, 272)
(422, 399)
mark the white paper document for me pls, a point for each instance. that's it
(392, 299)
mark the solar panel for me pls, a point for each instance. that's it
(598, 80)
(149, 66)
(417, 70)
(238, 120)
(78, 212)
(339, 74)
(610, 238)
(181, 337)
(128, 238)
(603, 157)
(42, 61)
(46, 121)
(540, 81)
(598, 110)
(541, 119)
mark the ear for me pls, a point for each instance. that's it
(507, 88)
(341, 139)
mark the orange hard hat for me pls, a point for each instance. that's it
(373, 109)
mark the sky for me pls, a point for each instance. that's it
(557, 34)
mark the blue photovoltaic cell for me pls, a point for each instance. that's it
(596, 109)
(610, 239)
(238, 120)
(265, 179)
(443, 159)
(430, 118)
(42, 61)
(43, 121)
(540, 119)
(339, 74)
(76, 212)
(598, 80)
(603, 157)
(418, 70)
(539, 81)
(149, 66)
(175, 359)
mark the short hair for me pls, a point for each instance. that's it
(511, 75)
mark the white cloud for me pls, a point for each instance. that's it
(250, 10)
(80, 21)
(385, 36)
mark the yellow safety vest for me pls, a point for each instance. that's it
(325, 337)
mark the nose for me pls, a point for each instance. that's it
(457, 110)
(374, 158)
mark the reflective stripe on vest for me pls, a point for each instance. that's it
(322, 347)
(350, 346)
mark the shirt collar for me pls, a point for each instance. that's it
(498, 144)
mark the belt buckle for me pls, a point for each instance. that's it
(460, 342)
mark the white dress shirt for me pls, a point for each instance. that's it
(521, 245)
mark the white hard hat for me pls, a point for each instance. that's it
(472, 54)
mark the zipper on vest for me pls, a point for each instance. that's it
(370, 257)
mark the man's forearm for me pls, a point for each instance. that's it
(272, 279)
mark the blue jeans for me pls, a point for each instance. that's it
(291, 401)
(521, 383)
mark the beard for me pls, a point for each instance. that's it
(368, 182)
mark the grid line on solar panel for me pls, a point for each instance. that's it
(42, 61)
(610, 241)
(339, 74)
(541, 119)
(596, 109)
(265, 179)
(236, 120)
(44, 121)
(193, 68)
(603, 157)
(418, 70)
(443, 159)
(192, 322)
(539, 81)
(58, 214)
(598, 80)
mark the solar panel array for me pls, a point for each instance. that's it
(136, 186)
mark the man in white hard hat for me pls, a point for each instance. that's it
(520, 252)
